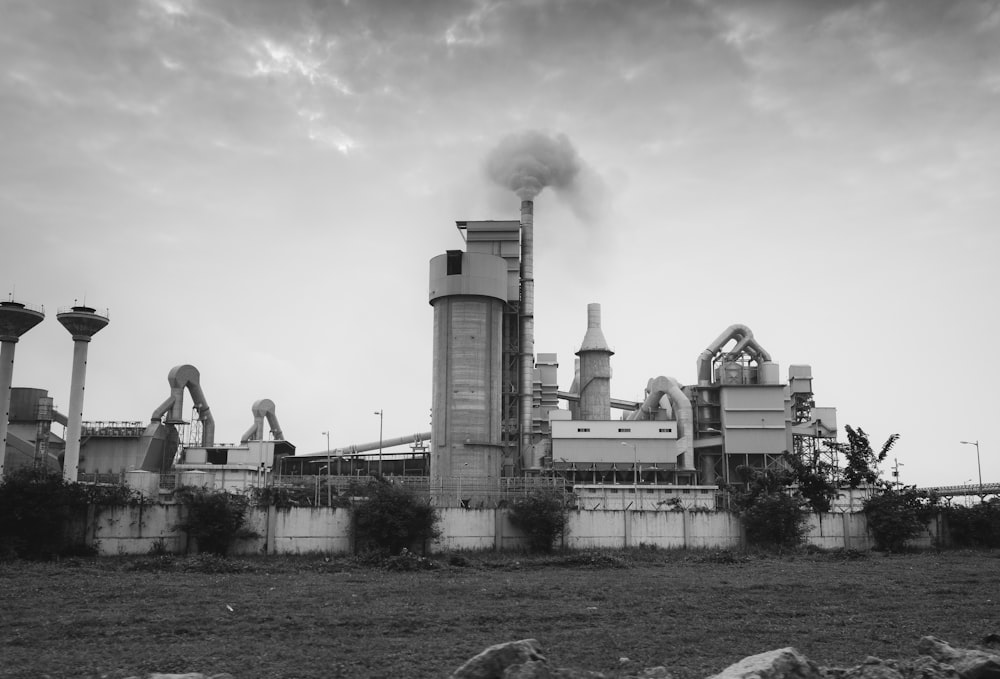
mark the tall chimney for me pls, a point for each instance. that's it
(15, 320)
(527, 328)
(83, 323)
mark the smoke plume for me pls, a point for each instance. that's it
(526, 162)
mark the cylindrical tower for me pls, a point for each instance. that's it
(83, 323)
(527, 329)
(468, 291)
(595, 369)
(15, 320)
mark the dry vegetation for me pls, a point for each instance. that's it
(694, 612)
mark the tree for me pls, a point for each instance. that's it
(861, 462)
(543, 516)
(815, 481)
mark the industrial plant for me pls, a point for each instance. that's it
(499, 416)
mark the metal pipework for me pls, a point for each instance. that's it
(680, 409)
(15, 320)
(744, 342)
(179, 378)
(83, 323)
(527, 329)
(264, 408)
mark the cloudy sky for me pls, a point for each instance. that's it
(256, 188)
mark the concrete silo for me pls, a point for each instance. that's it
(468, 291)
(15, 320)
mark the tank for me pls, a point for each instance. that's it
(769, 373)
(468, 292)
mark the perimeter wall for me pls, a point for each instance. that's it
(301, 530)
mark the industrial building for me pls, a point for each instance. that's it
(498, 412)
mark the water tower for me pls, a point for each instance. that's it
(83, 323)
(15, 320)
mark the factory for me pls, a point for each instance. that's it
(498, 412)
(498, 415)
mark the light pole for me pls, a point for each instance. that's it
(379, 413)
(329, 493)
(635, 469)
(978, 465)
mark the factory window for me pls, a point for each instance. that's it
(454, 262)
(624, 430)
(217, 456)
(666, 431)
(583, 429)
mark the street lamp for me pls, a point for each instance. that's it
(379, 413)
(978, 465)
(635, 469)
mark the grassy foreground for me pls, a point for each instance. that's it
(694, 612)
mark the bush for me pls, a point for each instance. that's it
(897, 515)
(975, 526)
(216, 519)
(392, 518)
(543, 516)
(37, 512)
(773, 516)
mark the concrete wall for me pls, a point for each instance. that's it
(302, 530)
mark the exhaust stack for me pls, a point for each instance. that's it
(83, 323)
(527, 329)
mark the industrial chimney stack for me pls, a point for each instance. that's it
(15, 320)
(527, 329)
(83, 323)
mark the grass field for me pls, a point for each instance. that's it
(694, 612)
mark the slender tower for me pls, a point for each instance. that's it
(527, 329)
(83, 323)
(595, 369)
(15, 320)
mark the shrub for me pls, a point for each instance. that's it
(216, 519)
(392, 518)
(897, 515)
(37, 512)
(543, 516)
(975, 526)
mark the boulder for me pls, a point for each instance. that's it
(784, 663)
(968, 662)
(495, 660)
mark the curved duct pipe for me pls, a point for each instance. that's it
(744, 342)
(264, 408)
(179, 378)
(683, 414)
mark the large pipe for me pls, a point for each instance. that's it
(179, 378)
(527, 329)
(374, 445)
(683, 414)
(15, 320)
(744, 341)
(83, 323)
(263, 409)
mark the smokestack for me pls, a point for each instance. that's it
(83, 323)
(15, 320)
(527, 327)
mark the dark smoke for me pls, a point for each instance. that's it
(526, 162)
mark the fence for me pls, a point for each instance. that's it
(300, 530)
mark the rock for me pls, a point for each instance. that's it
(873, 668)
(784, 663)
(533, 669)
(969, 663)
(494, 661)
(926, 667)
